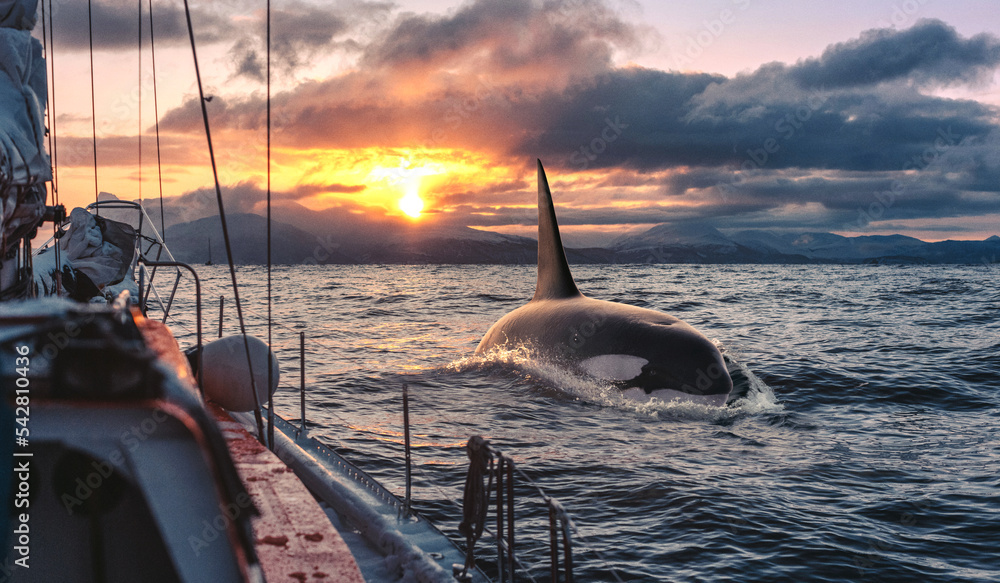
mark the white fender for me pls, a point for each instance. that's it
(226, 378)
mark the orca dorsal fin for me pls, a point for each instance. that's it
(554, 279)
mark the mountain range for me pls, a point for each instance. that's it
(304, 236)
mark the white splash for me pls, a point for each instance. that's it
(581, 384)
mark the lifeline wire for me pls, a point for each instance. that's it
(270, 407)
(156, 120)
(51, 56)
(140, 101)
(93, 107)
(51, 117)
(225, 229)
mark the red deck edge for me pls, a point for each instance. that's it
(295, 540)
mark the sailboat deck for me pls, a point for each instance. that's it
(294, 539)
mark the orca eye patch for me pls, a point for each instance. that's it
(614, 367)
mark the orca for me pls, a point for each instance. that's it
(644, 352)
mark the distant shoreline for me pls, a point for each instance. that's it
(664, 244)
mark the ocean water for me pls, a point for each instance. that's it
(863, 447)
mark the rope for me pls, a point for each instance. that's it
(156, 120)
(478, 448)
(53, 135)
(50, 58)
(476, 500)
(429, 482)
(140, 101)
(93, 106)
(225, 228)
(45, 55)
(270, 408)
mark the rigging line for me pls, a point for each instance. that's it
(225, 229)
(50, 117)
(52, 111)
(45, 56)
(140, 101)
(156, 120)
(270, 408)
(93, 106)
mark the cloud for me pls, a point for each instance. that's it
(123, 152)
(631, 117)
(550, 41)
(115, 24)
(931, 52)
(241, 197)
(301, 31)
(807, 115)
(307, 190)
(812, 141)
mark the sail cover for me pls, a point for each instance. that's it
(23, 160)
(24, 164)
(100, 248)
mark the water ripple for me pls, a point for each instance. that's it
(861, 445)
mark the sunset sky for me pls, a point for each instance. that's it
(855, 117)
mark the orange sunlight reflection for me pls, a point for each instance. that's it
(381, 433)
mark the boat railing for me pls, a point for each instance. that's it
(498, 470)
(489, 464)
(490, 483)
(151, 255)
(151, 251)
(197, 294)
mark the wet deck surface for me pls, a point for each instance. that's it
(295, 540)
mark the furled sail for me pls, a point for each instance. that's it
(24, 163)
(97, 252)
(23, 160)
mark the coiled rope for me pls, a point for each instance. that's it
(476, 500)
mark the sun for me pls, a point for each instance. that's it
(407, 177)
(411, 204)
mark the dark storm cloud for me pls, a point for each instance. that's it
(517, 34)
(115, 24)
(814, 114)
(929, 52)
(470, 79)
(424, 39)
(649, 120)
(300, 31)
(853, 108)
